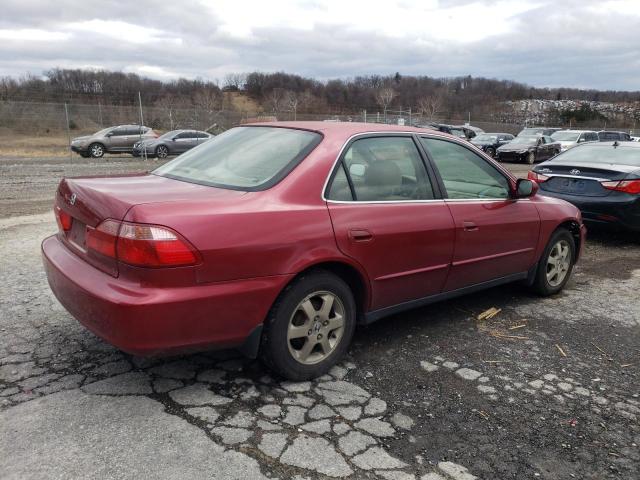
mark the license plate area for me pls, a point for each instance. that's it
(76, 236)
(573, 185)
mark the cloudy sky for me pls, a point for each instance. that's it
(578, 43)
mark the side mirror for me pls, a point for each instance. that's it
(525, 188)
(110, 134)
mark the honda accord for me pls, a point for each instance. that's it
(278, 238)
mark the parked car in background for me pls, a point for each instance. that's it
(174, 142)
(601, 179)
(119, 139)
(489, 142)
(611, 136)
(530, 131)
(466, 132)
(571, 138)
(528, 149)
(277, 238)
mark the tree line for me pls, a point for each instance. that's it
(279, 91)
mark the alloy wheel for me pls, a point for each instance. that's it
(316, 327)
(97, 150)
(558, 263)
(162, 152)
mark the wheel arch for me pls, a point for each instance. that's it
(574, 228)
(351, 275)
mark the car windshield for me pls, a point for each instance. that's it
(566, 136)
(486, 138)
(458, 132)
(243, 158)
(104, 131)
(531, 140)
(602, 154)
(170, 134)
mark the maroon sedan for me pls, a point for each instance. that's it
(279, 238)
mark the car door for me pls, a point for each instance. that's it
(496, 235)
(182, 142)
(118, 139)
(388, 216)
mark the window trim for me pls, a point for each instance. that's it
(339, 161)
(510, 179)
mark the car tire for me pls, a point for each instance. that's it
(491, 152)
(531, 158)
(96, 150)
(315, 309)
(162, 151)
(559, 256)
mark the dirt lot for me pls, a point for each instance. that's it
(549, 388)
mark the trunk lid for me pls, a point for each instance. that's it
(90, 200)
(582, 178)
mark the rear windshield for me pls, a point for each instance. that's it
(602, 154)
(243, 158)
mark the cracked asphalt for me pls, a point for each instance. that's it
(548, 388)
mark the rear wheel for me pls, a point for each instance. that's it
(556, 263)
(162, 151)
(491, 152)
(96, 150)
(531, 158)
(309, 327)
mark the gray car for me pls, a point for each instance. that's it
(174, 142)
(118, 139)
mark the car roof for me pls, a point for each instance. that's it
(344, 129)
(616, 143)
(573, 130)
(496, 133)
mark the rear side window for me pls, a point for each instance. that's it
(243, 158)
(465, 175)
(382, 169)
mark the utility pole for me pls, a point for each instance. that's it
(141, 124)
(66, 114)
(100, 114)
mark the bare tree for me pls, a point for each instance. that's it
(234, 81)
(291, 100)
(275, 100)
(431, 105)
(384, 97)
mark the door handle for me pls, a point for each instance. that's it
(360, 235)
(469, 226)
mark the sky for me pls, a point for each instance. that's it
(570, 43)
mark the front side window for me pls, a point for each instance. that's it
(243, 158)
(465, 175)
(382, 169)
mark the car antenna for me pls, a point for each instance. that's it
(616, 144)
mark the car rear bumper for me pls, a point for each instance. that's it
(145, 320)
(610, 210)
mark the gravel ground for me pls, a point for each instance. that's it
(548, 388)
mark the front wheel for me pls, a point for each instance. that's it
(531, 158)
(556, 263)
(309, 327)
(491, 152)
(96, 150)
(162, 152)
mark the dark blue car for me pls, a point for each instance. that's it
(601, 179)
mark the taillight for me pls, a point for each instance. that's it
(141, 245)
(103, 238)
(537, 177)
(63, 218)
(626, 186)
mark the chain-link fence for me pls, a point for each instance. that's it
(26, 123)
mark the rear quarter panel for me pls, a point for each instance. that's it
(553, 212)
